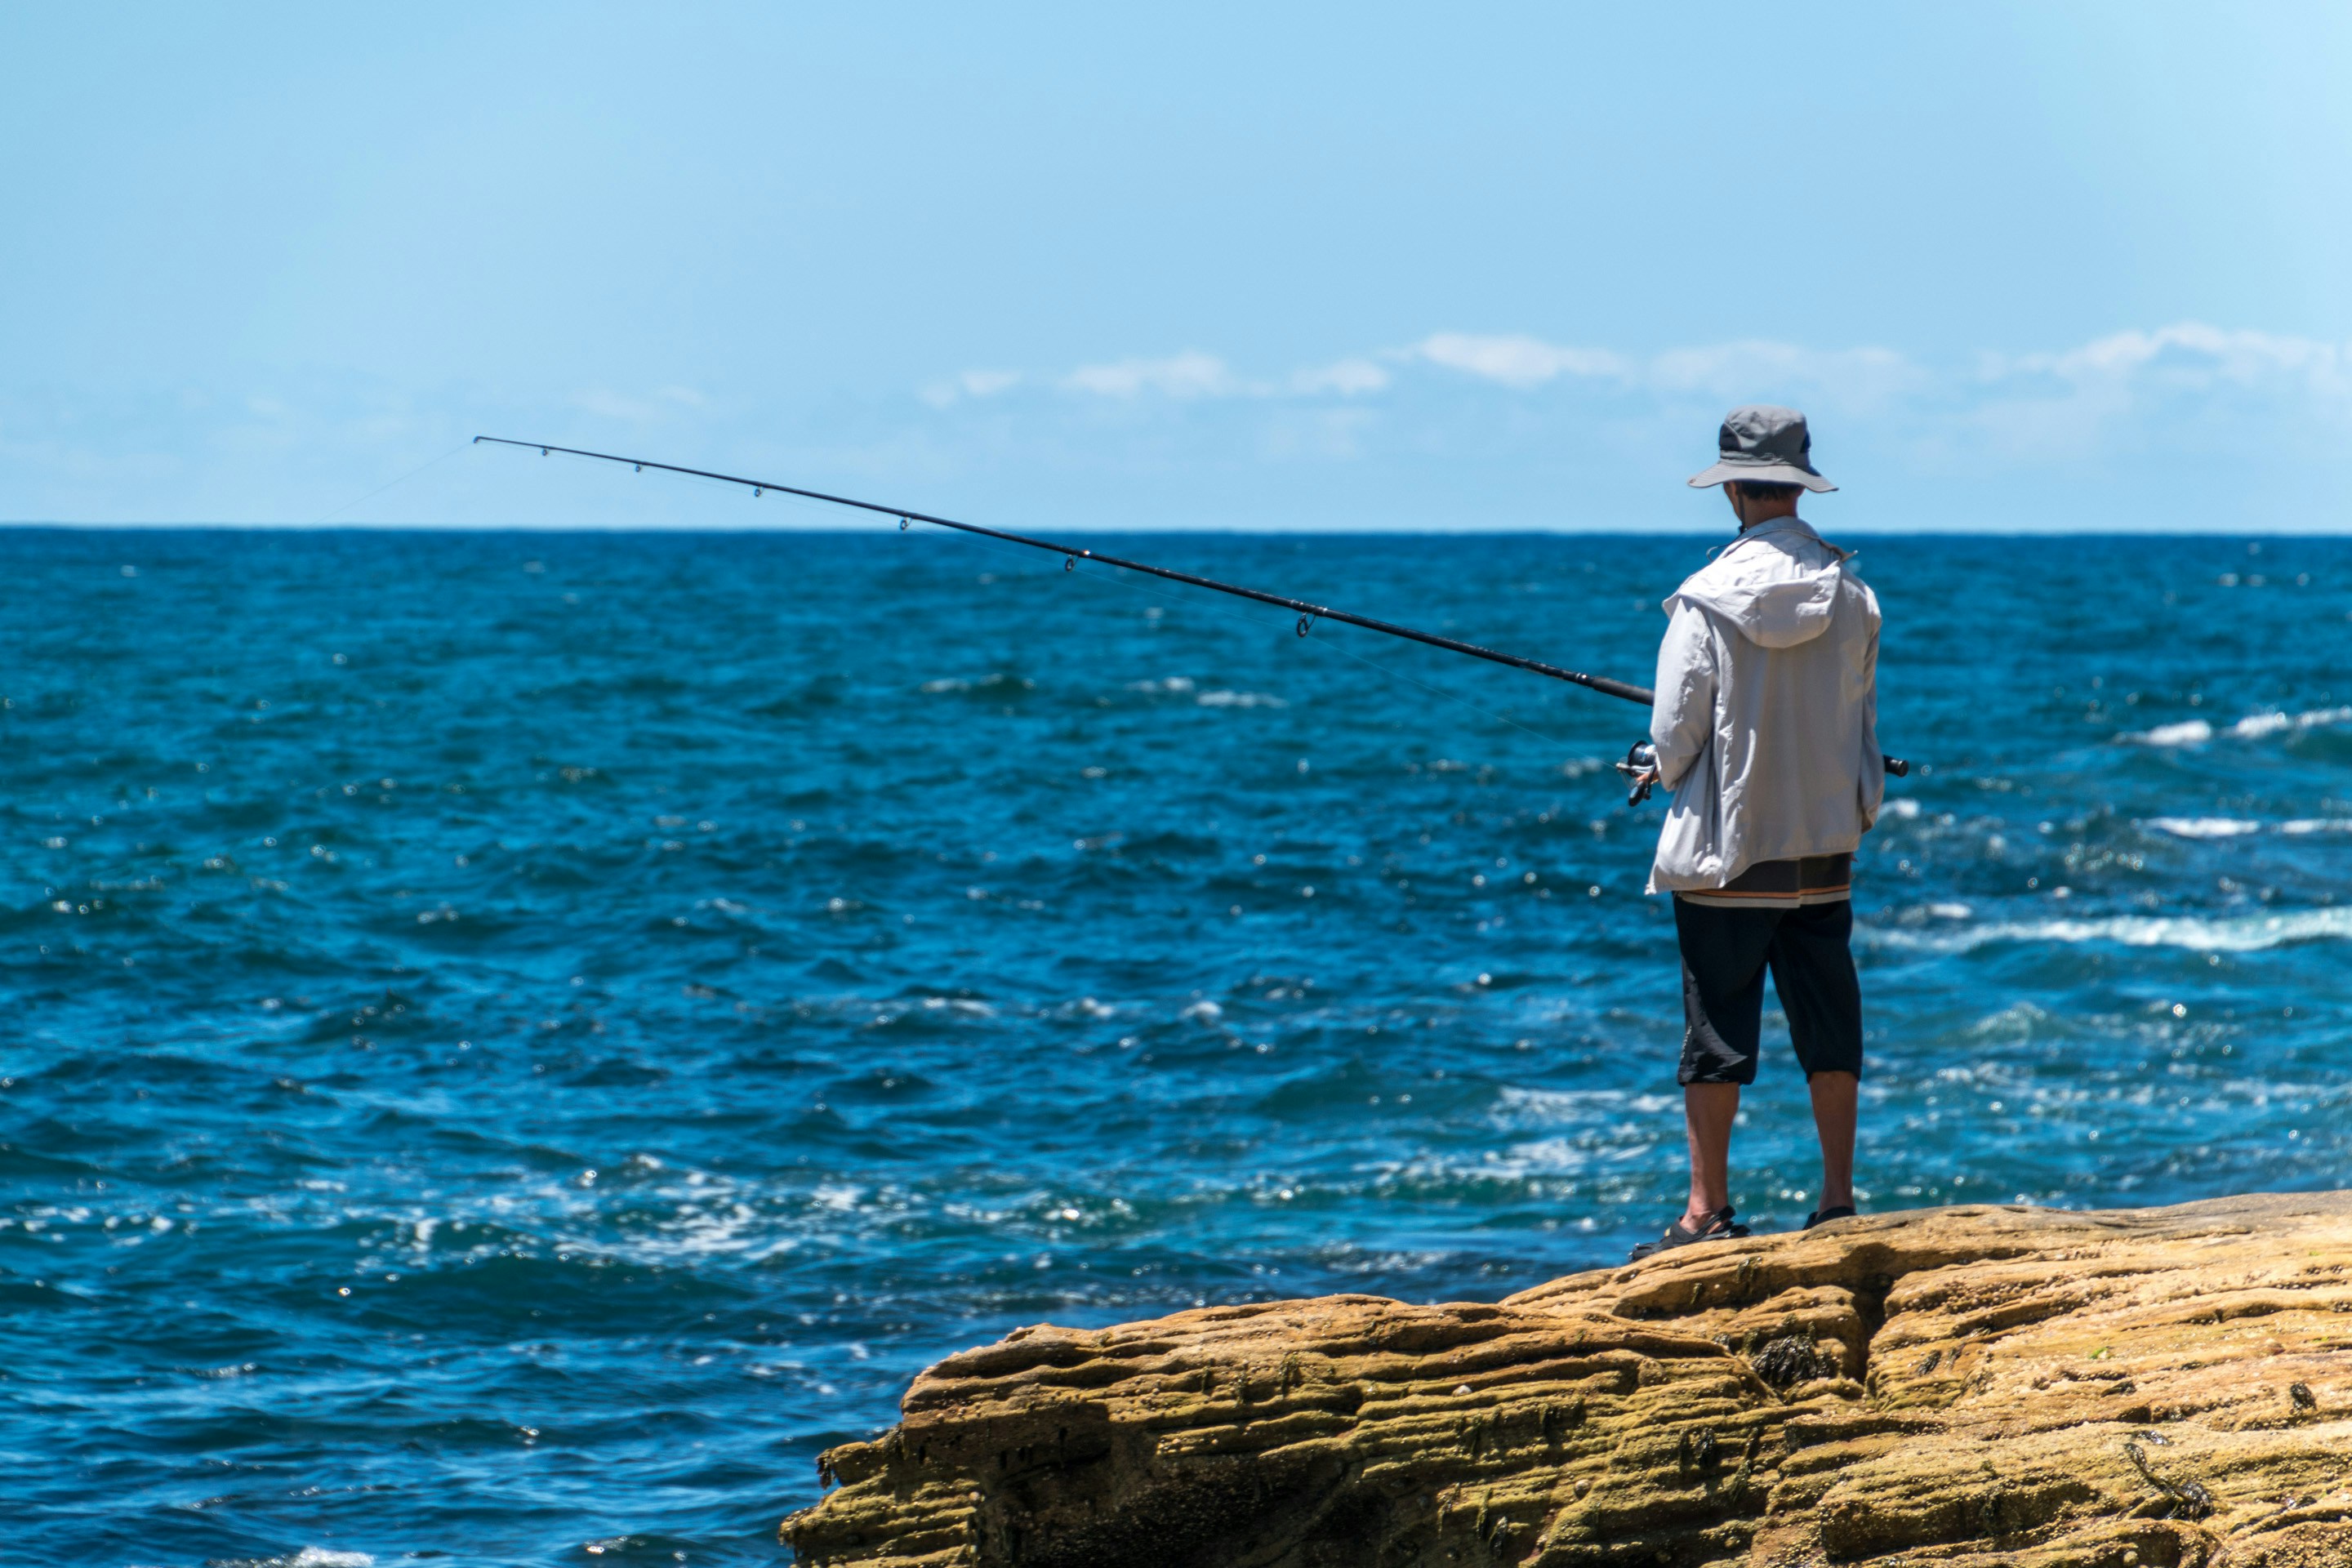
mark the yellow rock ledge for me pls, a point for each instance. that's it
(1963, 1387)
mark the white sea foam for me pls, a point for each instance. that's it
(1550, 1104)
(2252, 727)
(1950, 911)
(2018, 1017)
(2317, 824)
(1546, 1157)
(1625, 1142)
(2256, 725)
(1173, 683)
(2249, 934)
(2204, 827)
(1239, 700)
(319, 1557)
(1901, 809)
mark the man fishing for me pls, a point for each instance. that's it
(1764, 725)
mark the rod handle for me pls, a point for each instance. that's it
(1898, 767)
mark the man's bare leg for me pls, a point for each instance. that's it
(1834, 1096)
(1708, 1113)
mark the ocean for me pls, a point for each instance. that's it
(517, 1041)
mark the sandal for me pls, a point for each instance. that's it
(1719, 1226)
(1822, 1217)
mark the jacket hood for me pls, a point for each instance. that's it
(1777, 584)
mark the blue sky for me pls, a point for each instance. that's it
(2027, 266)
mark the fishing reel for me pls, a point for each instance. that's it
(1641, 770)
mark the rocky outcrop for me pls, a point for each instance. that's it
(2164, 1388)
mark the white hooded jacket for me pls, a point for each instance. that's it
(1766, 712)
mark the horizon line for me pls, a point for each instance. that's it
(1163, 529)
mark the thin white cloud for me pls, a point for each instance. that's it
(2193, 352)
(1722, 370)
(988, 383)
(2184, 387)
(1188, 374)
(1329, 433)
(1514, 361)
(2055, 406)
(970, 384)
(2246, 424)
(662, 404)
(1349, 377)
(1731, 371)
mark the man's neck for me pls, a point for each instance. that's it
(1746, 523)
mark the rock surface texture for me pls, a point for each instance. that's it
(1970, 1386)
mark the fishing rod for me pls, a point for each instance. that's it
(1308, 614)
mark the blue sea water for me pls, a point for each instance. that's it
(516, 1042)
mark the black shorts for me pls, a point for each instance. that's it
(1725, 954)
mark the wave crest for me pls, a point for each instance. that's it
(2252, 934)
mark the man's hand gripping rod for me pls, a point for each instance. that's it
(1641, 770)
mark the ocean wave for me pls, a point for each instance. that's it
(2255, 725)
(2204, 827)
(2251, 934)
(1608, 1112)
(1239, 700)
(2189, 733)
(2239, 826)
(2252, 727)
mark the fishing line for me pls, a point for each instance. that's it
(433, 463)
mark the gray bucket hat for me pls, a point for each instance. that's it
(1766, 444)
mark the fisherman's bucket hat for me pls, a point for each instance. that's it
(1766, 446)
